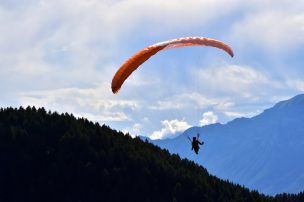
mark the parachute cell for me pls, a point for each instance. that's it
(141, 56)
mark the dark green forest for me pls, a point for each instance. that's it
(47, 156)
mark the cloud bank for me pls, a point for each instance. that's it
(62, 55)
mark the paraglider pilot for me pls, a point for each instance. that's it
(195, 144)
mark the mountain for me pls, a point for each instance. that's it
(263, 153)
(48, 156)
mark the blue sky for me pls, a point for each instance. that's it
(62, 55)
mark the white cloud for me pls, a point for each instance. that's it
(170, 14)
(208, 118)
(56, 59)
(232, 79)
(168, 105)
(182, 101)
(198, 100)
(134, 131)
(32, 34)
(171, 127)
(295, 84)
(84, 102)
(224, 105)
(136, 128)
(233, 114)
(105, 117)
(277, 27)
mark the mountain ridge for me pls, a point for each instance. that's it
(248, 150)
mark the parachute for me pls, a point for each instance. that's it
(141, 56)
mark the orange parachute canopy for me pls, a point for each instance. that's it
(141, 56)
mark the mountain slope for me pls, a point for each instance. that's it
(50, 157)
(263, 153)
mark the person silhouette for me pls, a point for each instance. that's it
(195, 144)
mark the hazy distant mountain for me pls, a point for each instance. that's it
(264, 152)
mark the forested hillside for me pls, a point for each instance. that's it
(48, 156)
